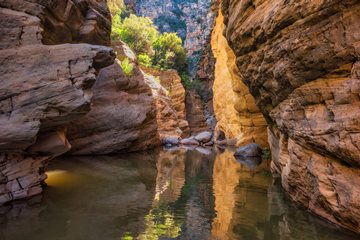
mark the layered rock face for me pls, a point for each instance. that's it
(237, 115)
(130, 112)
(43, 87)
(195, 114)
(122, 115)
(300, 61)
(175, 91)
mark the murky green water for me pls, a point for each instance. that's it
(161, 195)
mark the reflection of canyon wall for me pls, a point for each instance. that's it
(117, 187)
(300, 60)
(235, 110)
(240, 199)
(170, 175)
(44, 87)
(226, 178)
(250, 204)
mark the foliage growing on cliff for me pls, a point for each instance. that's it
(127, 67)
(138, 32)
(153, 49)
(145, 60)
(115, 7)
(169, 52)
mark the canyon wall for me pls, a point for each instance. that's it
(175, 93)
(237, 115)
(300, 61)
(45, 82)
(60, 94)
(193, 21)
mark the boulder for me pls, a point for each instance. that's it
(204, 137)
(171, 141)
(250, 150)
(189, 141)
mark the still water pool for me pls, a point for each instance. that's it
(160, 194)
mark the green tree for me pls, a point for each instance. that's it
(145, 60)
(169, 52)
(116, 7)
(138, 32)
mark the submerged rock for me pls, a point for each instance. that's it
(250, 150)
(171, 141)
(203, 150)
(250, 162)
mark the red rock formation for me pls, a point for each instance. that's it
(300, 60)
(171, 81)
(42, 87)
(195, 113)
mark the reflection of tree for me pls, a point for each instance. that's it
(183, 200)
(161, 221)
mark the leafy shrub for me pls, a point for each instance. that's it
(115, 7)
(164, 51)
(138, 32)
(127, 67)
(144, 60)
(169, 52)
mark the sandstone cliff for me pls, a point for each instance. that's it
(44, 87)
(122, 115)
(237, 115)
(175, 91)
(300, 60)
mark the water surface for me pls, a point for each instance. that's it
(160, 194)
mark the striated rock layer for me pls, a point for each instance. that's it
(130, 112)
(237, 115)
(122, 115)
(195, 113)
(300, 60)
(171, 81)
(44, 87)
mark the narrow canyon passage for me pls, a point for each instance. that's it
(179, 119)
